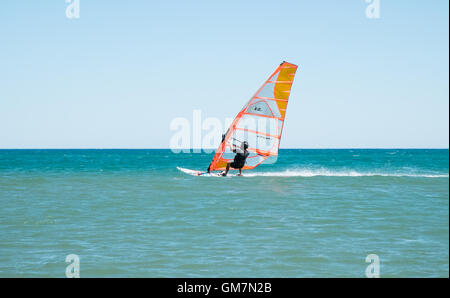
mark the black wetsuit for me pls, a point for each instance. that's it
(239, 159)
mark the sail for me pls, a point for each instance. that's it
(260, 122)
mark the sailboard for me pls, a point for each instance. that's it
(260, 122)
(200, 173)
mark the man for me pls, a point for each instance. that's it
(239, 160)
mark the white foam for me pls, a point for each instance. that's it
(328, 173)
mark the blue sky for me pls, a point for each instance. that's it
(116, 77)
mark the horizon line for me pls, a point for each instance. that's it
(296, 148)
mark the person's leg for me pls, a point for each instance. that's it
(226, 171)
(240, 171)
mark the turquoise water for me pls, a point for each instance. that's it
(315, 213)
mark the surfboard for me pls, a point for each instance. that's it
(198, 173)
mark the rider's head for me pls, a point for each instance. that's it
(245, 145)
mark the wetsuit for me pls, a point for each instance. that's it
(239, 159)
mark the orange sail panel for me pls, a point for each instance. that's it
(260, 122)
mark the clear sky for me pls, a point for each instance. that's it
(118, 75)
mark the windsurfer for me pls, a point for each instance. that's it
(239, 159)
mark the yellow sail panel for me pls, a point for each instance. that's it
(260, 122)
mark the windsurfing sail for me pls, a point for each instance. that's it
(260, 122)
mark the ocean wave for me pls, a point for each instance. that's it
(328, 173)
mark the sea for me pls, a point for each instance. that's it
(313, 213)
